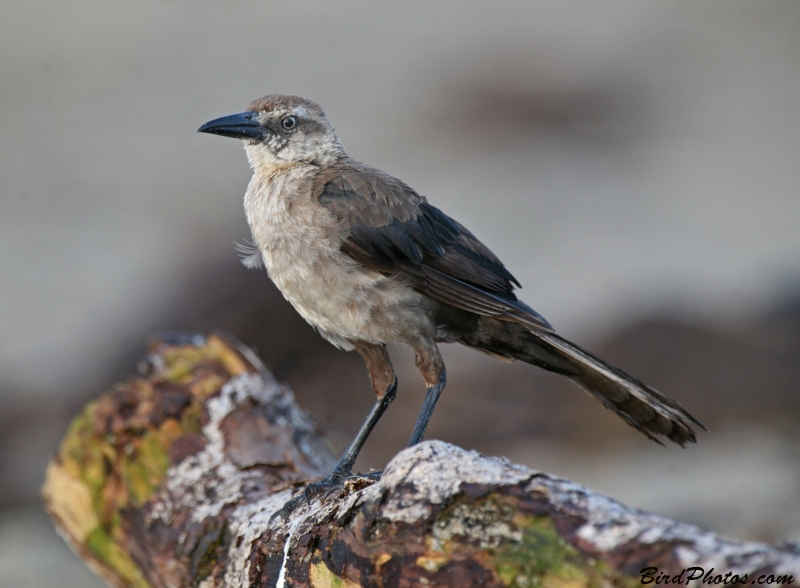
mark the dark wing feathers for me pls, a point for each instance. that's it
(387, 244)
(394, 230)
(423, 236)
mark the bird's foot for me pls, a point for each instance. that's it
(338, 481)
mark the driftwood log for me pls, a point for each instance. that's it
(173, 479)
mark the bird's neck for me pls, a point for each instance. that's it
(263, 161)
(266, 162)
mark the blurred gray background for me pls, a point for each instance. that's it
(635, 164)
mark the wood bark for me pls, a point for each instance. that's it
(173, 479)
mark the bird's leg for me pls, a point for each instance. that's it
(384, 382)
(431, 366)
(345, 466)
(427, 410)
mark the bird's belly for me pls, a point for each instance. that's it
(345, 301)
(300, 244)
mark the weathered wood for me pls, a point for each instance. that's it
(172, 479)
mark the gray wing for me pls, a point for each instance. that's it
(394, 230)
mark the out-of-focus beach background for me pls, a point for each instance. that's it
(636, 165)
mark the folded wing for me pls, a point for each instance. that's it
(394, 230)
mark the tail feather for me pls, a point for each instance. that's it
(641, 406)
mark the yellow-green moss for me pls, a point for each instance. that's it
(106, 549)
(123, 467)
(179, 363)
(524, 551)
(319, 576)
(143, 471)
(544, 559)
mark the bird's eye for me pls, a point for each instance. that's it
(289, 123)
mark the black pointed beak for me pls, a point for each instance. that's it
(244, 125)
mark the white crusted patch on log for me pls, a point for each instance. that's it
(483, 523)
(247, 523)
(431, 473)
(204, 483)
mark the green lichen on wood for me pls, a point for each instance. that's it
(486, 521)
(119, 468)
(540, 558)
(543, 558)
(82, 455)
(99, 460)
(523, 550)
(319, 576)
(115, 454)
(108, 551)
(143, 471)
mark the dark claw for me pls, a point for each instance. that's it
(336, 482)
(326, 487)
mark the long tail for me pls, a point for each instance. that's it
(641, 406)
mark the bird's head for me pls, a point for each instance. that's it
(281, 130)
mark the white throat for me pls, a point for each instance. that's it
(262, 159)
